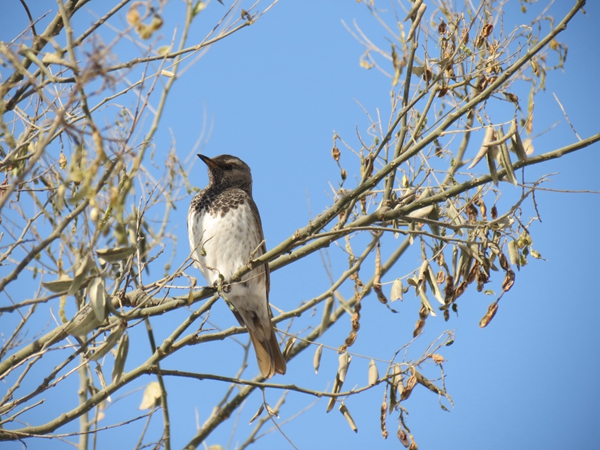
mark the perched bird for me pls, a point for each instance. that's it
(225, 233)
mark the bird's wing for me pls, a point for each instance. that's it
(263, 247)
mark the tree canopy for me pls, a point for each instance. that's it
(432, 201)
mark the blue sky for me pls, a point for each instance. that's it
(273, 95)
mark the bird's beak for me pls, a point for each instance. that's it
(209, 162)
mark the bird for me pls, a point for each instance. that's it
(225, 233)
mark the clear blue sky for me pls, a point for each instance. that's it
(273, 95)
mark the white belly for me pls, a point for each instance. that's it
(223, 245)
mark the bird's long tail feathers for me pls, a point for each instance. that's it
(269, 357)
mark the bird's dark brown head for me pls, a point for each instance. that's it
(228, 171)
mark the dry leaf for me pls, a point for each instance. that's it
(402, 436)
(115, 254)
(487, 138)
(120, 358)
(416, 21)
(258, 413)
(152, 396)
(97, 297)
(58, 286)
(335, 153)
(397, 290)
(112, 339)
(373, 373)
(489, 315)
(437, 358)
(133, 15)
(513, 253)
(411, 382)
(348, 417)
(509, 280)
(487, 29)
(344, 362)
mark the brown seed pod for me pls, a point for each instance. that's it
(335, 153)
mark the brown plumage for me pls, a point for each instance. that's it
(225, 233)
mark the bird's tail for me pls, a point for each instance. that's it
(269, 357)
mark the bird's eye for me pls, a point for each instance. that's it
(227, 167)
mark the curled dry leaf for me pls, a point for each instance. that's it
(380, 295)
(425, 302)
(257, 414)
(517, 144)
(479, 42)
(289, 345)
(442, 27)
(513, 253)
(511, 97)
(494, 212)
(271, 411)
(84, 321)
(509, 280)
(489, 315)
(535, 254)
(487, 138)
(411, 382)
(416, 21)
(337, 386)
(437, 358)
(344, 362)
(62, 161)
(503, 262)
(115, 254)
(133, 15)
(487, 29)
(317, 358)
(382, 416)
(433, 284)
(413, 10)
(422, 274)
(440, 278)
(120, 358)
(491, 161)
(402, 437)
(335, 153)
(97, 297)
(505, 159)
(112, 339)
(465, 36)
(80, 275)
(373, 373)
(397, 290)
(396, 387)
(528, 145)
(418, 327)
(348, 417)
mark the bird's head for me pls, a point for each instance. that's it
(227, 170)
